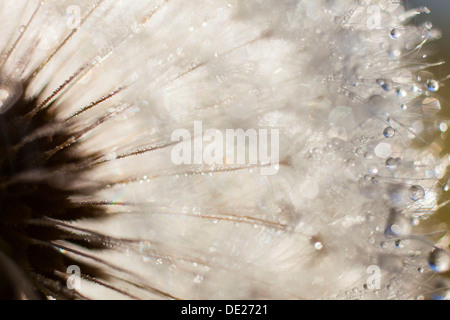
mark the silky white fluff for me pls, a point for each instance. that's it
(331, 75)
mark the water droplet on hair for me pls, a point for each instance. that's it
(392, 163)
(398, 225)
(383, 84)
(400, 92)
(399, 244)
(416, 192)
(432, 85)
(439, 260)
(396, 33)
(389, 132)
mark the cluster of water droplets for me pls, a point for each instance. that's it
(387, 161)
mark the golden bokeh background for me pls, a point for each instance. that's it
(440, 17)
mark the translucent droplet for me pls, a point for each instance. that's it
(396, 33)
(398, 225)
(22, 28)
(432, 85)
(439, 260)
(389, 132)
(399, 244)
(383, 84)
(400, 92)
(416, 192)
(392, 163)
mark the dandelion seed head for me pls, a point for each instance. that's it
(342, 83)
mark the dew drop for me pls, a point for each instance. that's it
(396, 33)
(400, 92)
(432, 85)
(392, 163)
(383, 84)
(399, 244)
(439, 260)
(394, 54)
(389, 132)
(416, 192)
(398, 225)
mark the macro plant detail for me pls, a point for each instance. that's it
(93, 92)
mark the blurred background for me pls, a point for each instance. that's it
(440, 17)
